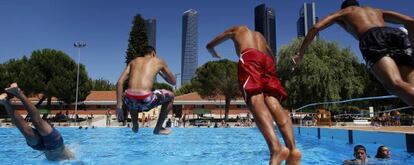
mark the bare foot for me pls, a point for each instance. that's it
(163, 131)
(294, 157)
(13, 90)
(3, 98)
(278, 158)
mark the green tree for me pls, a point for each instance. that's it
(186, 88)
(217, 78)
(137, 38)
(372, 86)
(162, 86)
(102, 85)
(16, 70)
(327, 73)
(49, 72)
(57, 75)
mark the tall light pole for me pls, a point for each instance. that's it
(176, 83)
(78, 45)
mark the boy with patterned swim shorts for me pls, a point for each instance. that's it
(139, 96)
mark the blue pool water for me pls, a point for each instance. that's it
(198, 146)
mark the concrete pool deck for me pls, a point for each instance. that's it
(396, 129)
(100, 121)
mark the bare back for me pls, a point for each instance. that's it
(357, 20)
(244, 38)
(142, 73)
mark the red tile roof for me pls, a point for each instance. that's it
(111, 96)
(196, 96)
(101, 96)
(34, 98)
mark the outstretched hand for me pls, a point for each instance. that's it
(296, 60)
(213, 52)
(120, 114)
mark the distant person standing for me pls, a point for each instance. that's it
(143, 119)
(184, 120)
(168, 124)
(108, 118)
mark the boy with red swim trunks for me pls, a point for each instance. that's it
(139, 96)
(261, 90)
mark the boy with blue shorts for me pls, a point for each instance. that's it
(43, 137)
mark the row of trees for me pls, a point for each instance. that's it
(46, 73)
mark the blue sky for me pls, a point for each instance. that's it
(28, 25)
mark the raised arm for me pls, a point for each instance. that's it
(218, 40)
(324, 23)
(166, 73)
(398, 18)
(120, 86)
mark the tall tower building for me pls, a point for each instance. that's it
(151, 28)
(307, 18)
(151, 31)
(265, 23)
(189, 54)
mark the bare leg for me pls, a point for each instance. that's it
(407, 73)
(134, 119)
(41, 126)
(264, 122)
(18, 120)
(388, 73)
(165, 108)
(285, 127)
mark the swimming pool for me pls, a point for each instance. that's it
(200, 146)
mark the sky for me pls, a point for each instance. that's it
(104, 25)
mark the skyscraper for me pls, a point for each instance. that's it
(189, 54)
(151, 27)
(151, 31)
(265, 23)
(307, 18)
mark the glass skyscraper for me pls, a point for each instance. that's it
(151, 31)
(265, 23)
(189, 54)
(307, 18)
(151, 28)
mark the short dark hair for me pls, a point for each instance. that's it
(147, 50)
(380, 155)
(359, 147)
(348, 3)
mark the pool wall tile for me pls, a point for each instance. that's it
(395, 140)
(336, 134)
(381, 138)
(410, 142)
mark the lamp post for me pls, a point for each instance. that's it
(176, 84)
(78, 45)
